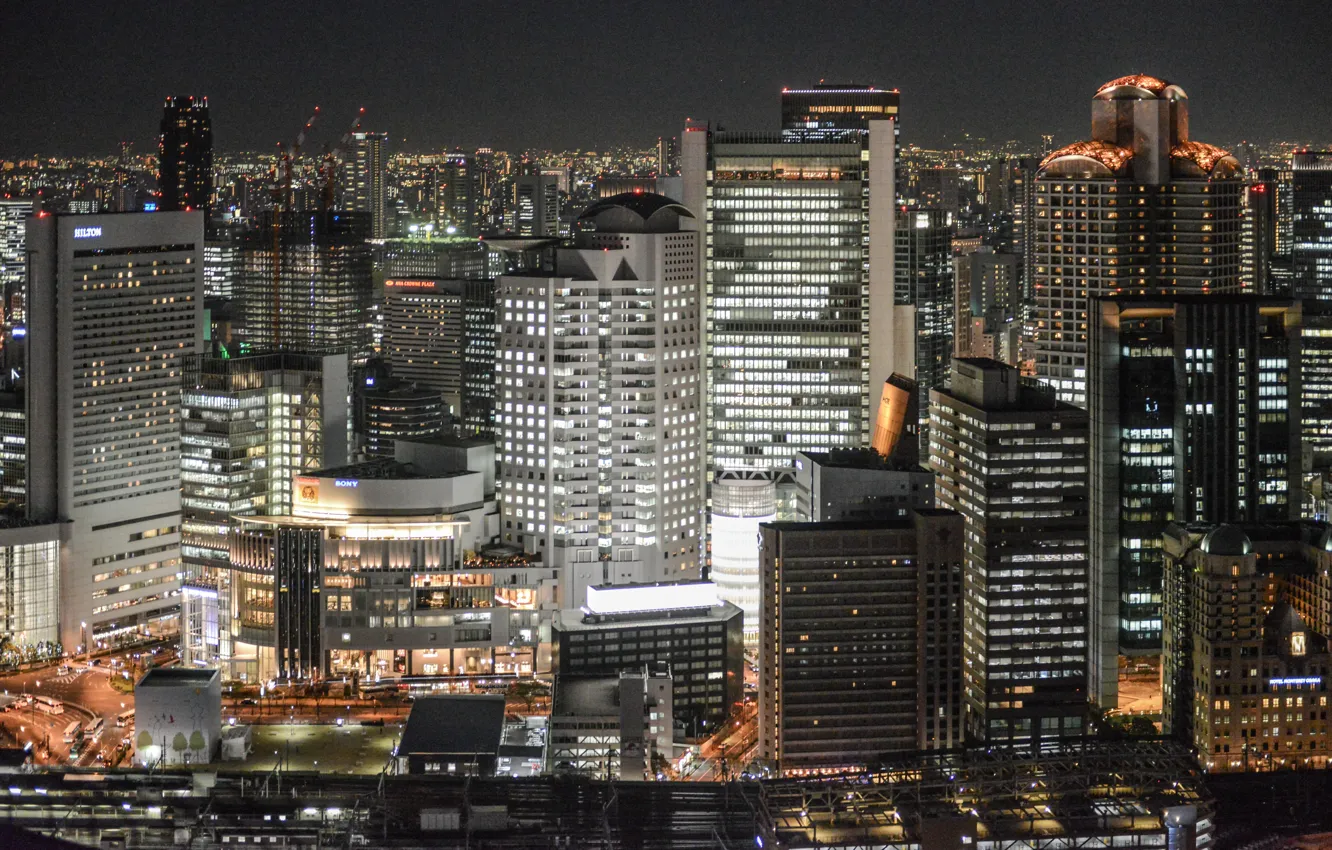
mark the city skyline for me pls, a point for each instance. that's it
(473, 78)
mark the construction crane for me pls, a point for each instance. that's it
(328, 169)
(283, 202)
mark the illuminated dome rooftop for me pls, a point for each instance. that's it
(1151, 85)
(1206, 158)
(1112, 157)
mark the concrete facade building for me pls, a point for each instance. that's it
(177, 716)
(1012, 460)
(861, 640)
(988, 306)
(616, 727)
(117, 308)
(923, 283)
(1140, 208)
(536, 205)
(600, 401)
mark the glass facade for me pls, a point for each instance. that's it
(787, 300)
(923, 278)
(1311, 224)
(30, 591)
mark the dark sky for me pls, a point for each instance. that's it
(77, 77)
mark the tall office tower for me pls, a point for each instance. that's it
(13, 451)
(478, 389)
(315, 290)
(668, 156)
(599, 374)
(185, 156)
(1021, 191)
(862, 629)
(249, 425)
(1247, 632)
(424, 337)
(1311, 224)
(1258, 234)
(1012, 459)
(801, 319)
(1139, 209)
(536, 205)
(741, 502)
(1190, 421)
(1316, 387)
(116, 307)
(455, 186)
(220, 268)
(988, 306)
(923, 285)
(13, 257)
(486, 192)
(368, 182)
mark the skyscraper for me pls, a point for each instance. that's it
(1012, 459)
(988, 305)
(369, 180)
(1311, 224)
(923, 287)
(455, 183)
(13, 257)
(801, 316)
(117, 307)
(536, 205)
(185, 156)
(1258, 235)
(600, 413)
(307, 282)
(1191, 421)
(861, 633)
(423, 335)
(1139, 208)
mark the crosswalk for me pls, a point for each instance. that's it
(66, 678)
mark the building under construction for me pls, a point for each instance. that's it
(307, 282)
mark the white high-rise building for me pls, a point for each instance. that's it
(599, 400)
(116, 306)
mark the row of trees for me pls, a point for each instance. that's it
(13, 654)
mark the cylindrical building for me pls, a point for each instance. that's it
(740, 502)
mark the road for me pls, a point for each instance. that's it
(83, 684)
(736, 745)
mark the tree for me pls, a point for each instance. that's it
(197, 741)
(179, 743)
(144, 741)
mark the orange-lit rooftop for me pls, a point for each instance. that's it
(1111, 156)
(1141, 81)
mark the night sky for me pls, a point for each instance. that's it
(77, 77)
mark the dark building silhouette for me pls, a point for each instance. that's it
(185, 156)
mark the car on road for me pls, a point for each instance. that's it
(248, 701)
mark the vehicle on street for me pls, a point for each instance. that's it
(95, 727)
(125, 718)
(73, 732)
(48, 705)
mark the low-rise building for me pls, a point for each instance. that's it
(177, 716)
(617, 727)
(683, 624)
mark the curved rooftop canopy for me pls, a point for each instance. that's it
(1092, 157)
(1228, 540)
(1138, 87)
(646, 206)
(1199, 159)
